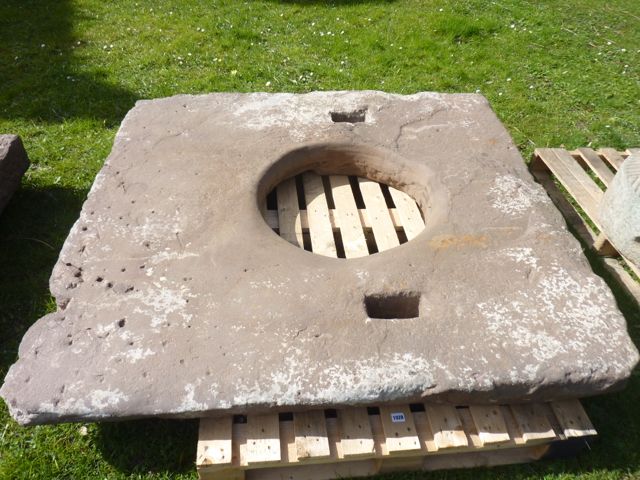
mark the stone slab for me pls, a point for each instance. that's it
(13, 163)
(176, 299)
(620, 210)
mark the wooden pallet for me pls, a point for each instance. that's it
(577, 172)
(342, 217)
(361, 441)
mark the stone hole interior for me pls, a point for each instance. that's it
(354, 116)
(341, 216)
(393, 305)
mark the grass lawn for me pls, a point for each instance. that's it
(557, 73)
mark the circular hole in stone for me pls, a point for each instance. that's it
(343, 201)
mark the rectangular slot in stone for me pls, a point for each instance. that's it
(354, 116)
(393, 305)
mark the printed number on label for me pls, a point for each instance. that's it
(397, 417)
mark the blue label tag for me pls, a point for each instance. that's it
(397, 417)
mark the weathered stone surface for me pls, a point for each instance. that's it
(176, 299)
(620, 210)
(13, 163)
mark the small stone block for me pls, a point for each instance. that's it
(13, 163)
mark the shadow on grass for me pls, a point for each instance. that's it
(33, 227)
(40, 68)
(142, 446)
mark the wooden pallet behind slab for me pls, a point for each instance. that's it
(352, 442)
(577, 172)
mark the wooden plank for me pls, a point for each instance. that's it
(289, 223)
(532, 423)
(347, 218)
(595, 163)
(424, 432)
(473, 436)
(239, 444)
(484, 458)
(399, 429)
(469, 428)
(379, 438)
(574, 179)
(489, 423)
(230, 473)
(288, 449)
(320, 230)
(543, 175)
(562, 158)
(612, 156)
(263, 439)
(633, 151)
(572, 418)
(335, 444)
(512, 428)
(214, 441)
(383, 230)
(271, 217)
(446, 426)
(357, 438)
(327, 471)
(311, 434)
(409, 213)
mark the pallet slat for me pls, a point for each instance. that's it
(489, 424)
(347, 217)
(363, 468)
(335, 444)
(532, 423)
(320, 229)
(289, 222)
(409, 213)
(311, 434)
(425, 434)
(357, 438)
(470, 430)
(573, 419)
(446, 426)
(271, 217)
(263, 439)
(595, 163)
(512, 428)
(379, 439)
(214, 445)
(383, 229)
(288, 448)
(612, 156)
(574, 179)
(399, 429)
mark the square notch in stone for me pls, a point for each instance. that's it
(390, 306)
